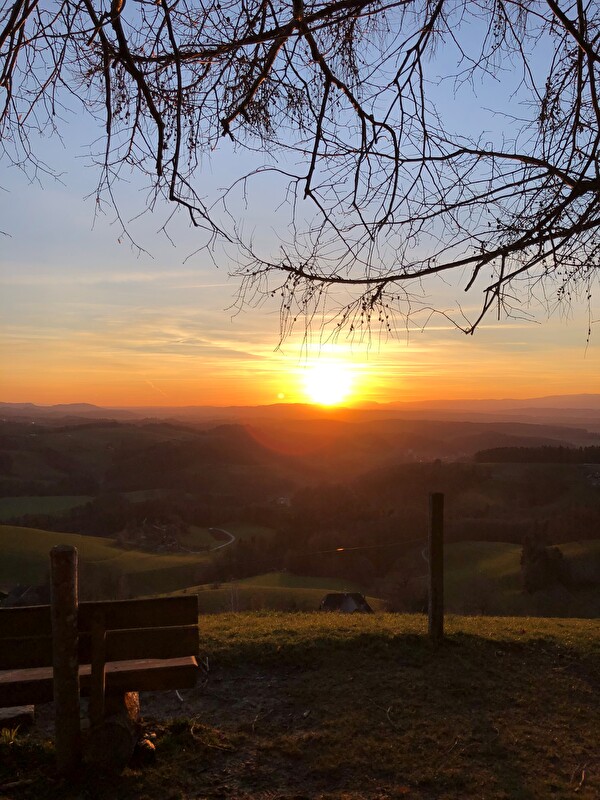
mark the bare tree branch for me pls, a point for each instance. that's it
(382, 187)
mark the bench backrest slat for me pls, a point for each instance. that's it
(121, 645)
(173, 642)
(26, 651)
(153, 612)
(26, 621)
(152, 628)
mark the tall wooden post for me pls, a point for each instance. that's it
(436, 567)
(64, 608)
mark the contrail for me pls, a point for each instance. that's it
(156, 389)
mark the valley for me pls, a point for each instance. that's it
(272, 511)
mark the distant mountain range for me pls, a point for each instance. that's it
(30, 410)
(576, 409)
(558, 401)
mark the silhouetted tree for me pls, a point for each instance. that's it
(542, 567)
(342, 104)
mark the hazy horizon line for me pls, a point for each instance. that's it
(339, 406)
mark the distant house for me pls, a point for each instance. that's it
(346, 603)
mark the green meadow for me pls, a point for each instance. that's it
(246, 530)
(25, 560)
(276, 591)
(17, 506)
(289, 581)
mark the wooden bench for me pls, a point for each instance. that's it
(107, 650)
(124, 646)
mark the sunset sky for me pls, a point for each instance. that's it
(86, 318)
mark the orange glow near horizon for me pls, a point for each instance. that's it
(137, 367)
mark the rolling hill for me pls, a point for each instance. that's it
(105, 569)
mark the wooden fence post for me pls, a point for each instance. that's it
(64, 608)
(436, 567)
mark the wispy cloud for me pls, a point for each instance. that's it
(81, 278)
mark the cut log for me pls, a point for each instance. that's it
(111, 743)
(123, 704)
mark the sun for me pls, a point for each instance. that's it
(328, 384)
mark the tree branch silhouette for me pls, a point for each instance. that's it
(341, 102)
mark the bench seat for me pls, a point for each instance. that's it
(34, 684)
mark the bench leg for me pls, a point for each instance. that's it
(98, 667)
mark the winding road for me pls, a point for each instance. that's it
(225, 544)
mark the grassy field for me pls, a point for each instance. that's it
(198, 539)
(201, 538)
(246, 530)
(17, 506)
(25, 551)
(485, 577)
(361, 707)
(289, 581)
(277, 591)
(243, 597)
(581, 550)
(141, 495)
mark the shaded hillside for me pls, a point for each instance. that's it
(378, 517)
(95, 456)
(113, 456)
(225, 460)
(72, 459)
(540, 455)
(349, 447)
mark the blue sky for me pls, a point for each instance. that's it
(87, 317)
